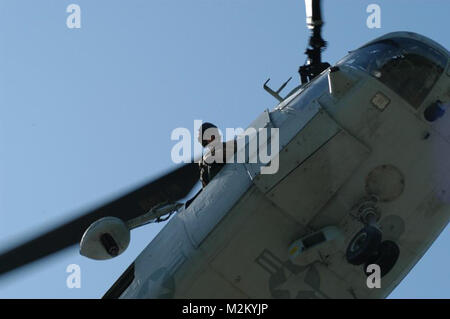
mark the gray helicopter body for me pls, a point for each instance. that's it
(347, 138)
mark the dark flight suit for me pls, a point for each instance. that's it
(209, 170)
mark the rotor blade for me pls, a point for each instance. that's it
(169, 187)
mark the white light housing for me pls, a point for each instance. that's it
(106, 238)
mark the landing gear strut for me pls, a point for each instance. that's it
(366, 246)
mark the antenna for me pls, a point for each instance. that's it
(276, 94)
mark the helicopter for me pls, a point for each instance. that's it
(350, 189)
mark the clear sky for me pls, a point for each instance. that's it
(86, 113)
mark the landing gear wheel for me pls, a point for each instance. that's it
(386, 257)
(364, 245)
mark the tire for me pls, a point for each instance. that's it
(386, 257)
(364, 245)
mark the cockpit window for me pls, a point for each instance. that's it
(409, 67)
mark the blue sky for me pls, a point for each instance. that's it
(86, 113)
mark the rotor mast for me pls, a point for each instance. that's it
(314, 65)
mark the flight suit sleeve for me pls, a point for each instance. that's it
(203, 167)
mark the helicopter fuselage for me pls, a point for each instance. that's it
(371, 128)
